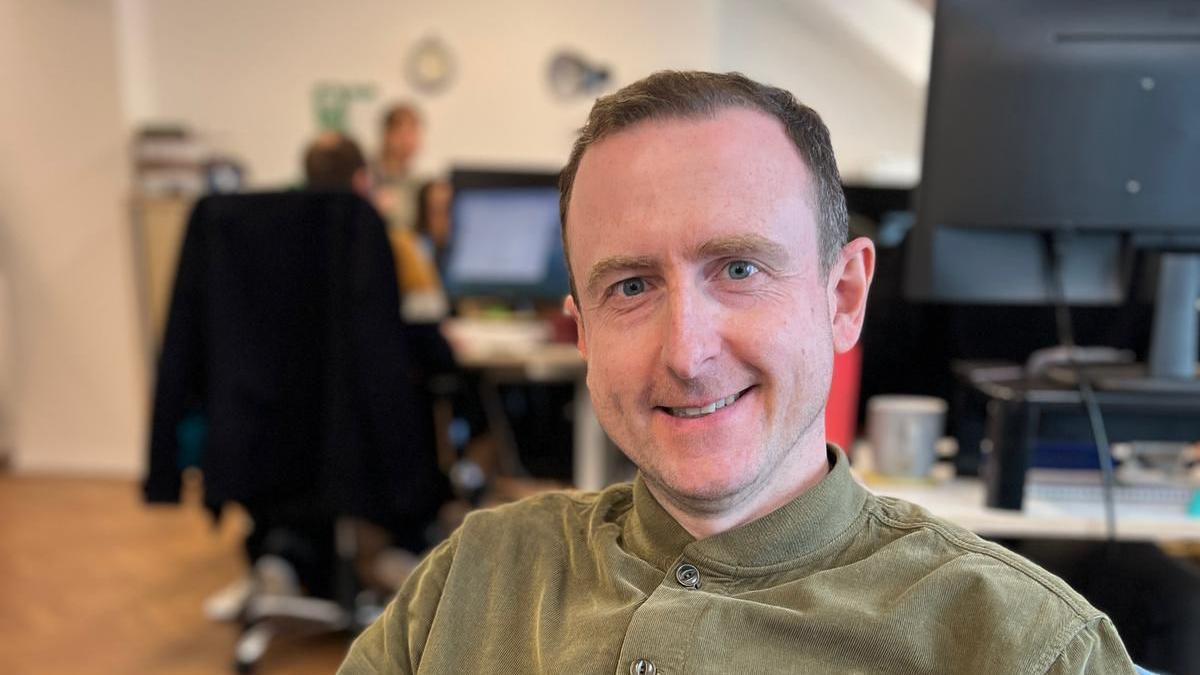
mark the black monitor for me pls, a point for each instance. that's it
(1064, 131)
(505, 242)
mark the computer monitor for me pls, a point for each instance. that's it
(1073, 122)
(505, 242)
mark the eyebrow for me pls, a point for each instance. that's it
(743, 244)
(616, 263)
(721, 247)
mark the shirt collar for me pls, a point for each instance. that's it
(804, 525)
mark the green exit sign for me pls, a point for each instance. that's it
(332, 101)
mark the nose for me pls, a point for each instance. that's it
(691, 337)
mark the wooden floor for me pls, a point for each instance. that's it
(93, 581)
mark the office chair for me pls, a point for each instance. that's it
(285, 335)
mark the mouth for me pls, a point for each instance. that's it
(704, 410)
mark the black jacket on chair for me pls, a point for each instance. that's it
(285, 333)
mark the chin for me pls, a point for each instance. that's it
(714, 488)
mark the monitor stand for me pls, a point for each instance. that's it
(1172, 367)
(1173, 337)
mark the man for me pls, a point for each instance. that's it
(396, 192)
(334, 162)
(397, 185)
(401, 140)
(705, 231)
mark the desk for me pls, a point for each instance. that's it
(505, 350)
(1023, 411)
(961, 501)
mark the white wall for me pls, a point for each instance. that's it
(243, 72)
(898, 32)
(874, 114)
(64, 240)
(6, 393)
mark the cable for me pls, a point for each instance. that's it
(1100, 434)
(1054, 275)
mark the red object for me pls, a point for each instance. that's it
(841, 412)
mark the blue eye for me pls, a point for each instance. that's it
(632, 287)
(740, 269)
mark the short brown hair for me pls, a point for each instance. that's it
(673, 94)
(331, 162)
(400, 112)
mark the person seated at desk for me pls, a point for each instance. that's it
(334, 162)
(712, 283)
(433, 224)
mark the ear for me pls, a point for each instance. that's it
(849, 284)
(572, 310)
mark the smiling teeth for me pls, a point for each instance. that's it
(706, 410)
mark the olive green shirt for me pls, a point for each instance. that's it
(838, 580)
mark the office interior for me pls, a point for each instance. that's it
(121, 115)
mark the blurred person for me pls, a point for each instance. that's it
(290, 546)
(402, 127)
(334, 162)
(397, 185)
(396, 193)
(433, 223)
(712, 283)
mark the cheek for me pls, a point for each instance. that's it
(611, 364)
(796, 352)
(621, 346)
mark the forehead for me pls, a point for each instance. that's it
(676, 179)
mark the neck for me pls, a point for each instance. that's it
(805, 465)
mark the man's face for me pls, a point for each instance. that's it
(704, 317)
(403, 138)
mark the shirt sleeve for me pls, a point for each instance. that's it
(395, 642)
(1096, 650)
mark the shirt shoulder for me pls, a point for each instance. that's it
(960, 546)
(1017, 605)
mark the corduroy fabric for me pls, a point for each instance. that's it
(838, 580)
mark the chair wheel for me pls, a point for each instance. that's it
(251, 646)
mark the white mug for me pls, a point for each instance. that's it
(903, 431)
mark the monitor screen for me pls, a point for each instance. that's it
(1081, 114)
(1075, 120)
(506, 244)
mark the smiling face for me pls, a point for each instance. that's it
(708, 327)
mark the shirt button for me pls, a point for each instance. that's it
(641, 667)
(687, 575)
